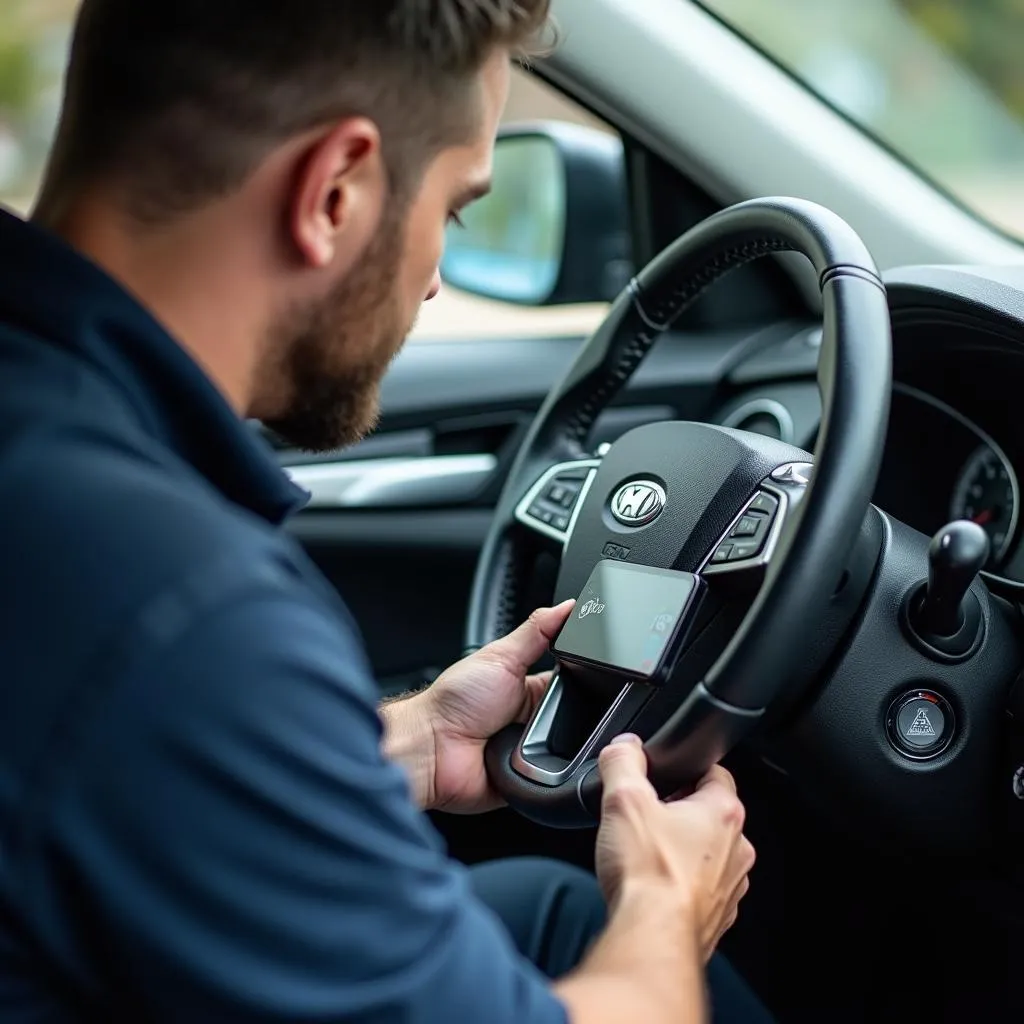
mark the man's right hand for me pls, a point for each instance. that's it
(674, 875)
(693, 849)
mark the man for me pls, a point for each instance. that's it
(202, 817)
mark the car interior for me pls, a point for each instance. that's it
(823, 442)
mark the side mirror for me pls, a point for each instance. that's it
(554, 230)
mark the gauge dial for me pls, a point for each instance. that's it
(986, 493)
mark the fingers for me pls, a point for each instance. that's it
(534, 691)
(732, 914)
(718, 789)
(623, 767)
(526, 645)
(718, 776)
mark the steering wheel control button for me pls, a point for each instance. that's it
(552, 502)
(747, 542)
(563, 494)
(749, 526)
(638, 503)
(746, 550)
(764, 503)
(920, 724)
(795, 473)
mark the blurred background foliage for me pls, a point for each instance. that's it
(33, 50)
(940, 81)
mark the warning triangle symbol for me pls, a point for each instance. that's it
(922, 725)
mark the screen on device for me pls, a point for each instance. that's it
(626, 618)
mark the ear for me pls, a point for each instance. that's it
(337, 193)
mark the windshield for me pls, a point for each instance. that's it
(941, 82)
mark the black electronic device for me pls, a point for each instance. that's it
(630, 620)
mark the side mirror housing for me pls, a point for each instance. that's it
(555, 228)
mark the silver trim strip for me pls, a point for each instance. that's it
(395, 483)
(523, 508)
(627, 703)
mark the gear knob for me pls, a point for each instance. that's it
(958, 552)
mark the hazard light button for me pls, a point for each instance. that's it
(920, 724)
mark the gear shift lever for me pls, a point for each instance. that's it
(943, 614)
(957, 554)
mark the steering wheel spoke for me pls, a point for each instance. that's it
(551, 507)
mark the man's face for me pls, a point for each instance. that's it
(336, 350)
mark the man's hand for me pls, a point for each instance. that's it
(440, 734)
(673, 875)
(692, 850)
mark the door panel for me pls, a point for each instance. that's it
(405, 575)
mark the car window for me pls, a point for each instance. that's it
(34, 38)
(940, 82)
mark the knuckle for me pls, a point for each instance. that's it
(619, 753)
(748, 853)
(723, 777)
(734, 813)
(627, 797)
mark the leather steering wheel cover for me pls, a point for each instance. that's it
(855, 380)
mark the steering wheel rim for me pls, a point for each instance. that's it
(829, 508)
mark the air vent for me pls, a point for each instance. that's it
(764, 416)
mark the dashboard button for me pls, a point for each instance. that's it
(920, 724)
(1018, 783)
(723, 554)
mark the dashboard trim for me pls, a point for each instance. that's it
(764, 407)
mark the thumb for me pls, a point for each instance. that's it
(523, 647)
(623, 767)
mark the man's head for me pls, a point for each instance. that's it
(324, 143)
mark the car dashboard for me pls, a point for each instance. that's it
(955, 448)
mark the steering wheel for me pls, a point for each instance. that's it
(685, 496)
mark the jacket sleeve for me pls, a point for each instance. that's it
(240, 850)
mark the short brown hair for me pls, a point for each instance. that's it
(179, 100)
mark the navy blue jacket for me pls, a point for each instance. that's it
(196, 821)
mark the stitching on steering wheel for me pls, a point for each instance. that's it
(665, 313)
(506, 605)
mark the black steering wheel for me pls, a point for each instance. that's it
(743, 512)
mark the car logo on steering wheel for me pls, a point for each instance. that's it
(638, 503)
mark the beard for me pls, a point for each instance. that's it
(333, 354)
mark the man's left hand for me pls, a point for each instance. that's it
(440, 734)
